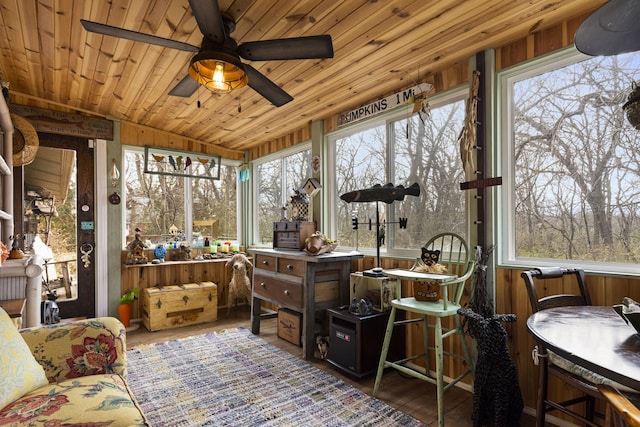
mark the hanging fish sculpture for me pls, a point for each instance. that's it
(172, 162)
(379, 193)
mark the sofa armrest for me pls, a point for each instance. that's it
(80, 348)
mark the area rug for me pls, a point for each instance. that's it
(234, 378)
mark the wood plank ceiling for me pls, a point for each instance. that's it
(381, 46)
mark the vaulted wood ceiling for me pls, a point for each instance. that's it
(381, 46)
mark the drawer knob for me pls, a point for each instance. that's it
(265, 262)
(289, 267)
(262, 284)
(286, 292)
(185, 299)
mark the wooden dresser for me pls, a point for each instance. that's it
(306, 284)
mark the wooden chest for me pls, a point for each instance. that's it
(179, 305)
(290, 326)
(292, 234)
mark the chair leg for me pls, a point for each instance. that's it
(385, 349)
(439, 370)
(425, 344)
(543, 378)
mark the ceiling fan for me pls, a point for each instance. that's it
(217, 64)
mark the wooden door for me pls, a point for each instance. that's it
(82, 305)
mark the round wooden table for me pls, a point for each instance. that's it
(593, 337)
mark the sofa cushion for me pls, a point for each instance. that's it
(92, 400)
(19, 371)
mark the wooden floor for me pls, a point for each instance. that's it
(409, 395)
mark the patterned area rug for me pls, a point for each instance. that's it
(234, 378)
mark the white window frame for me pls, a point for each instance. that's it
(505, 221)
(279, 155)
(188, 199)
(452, 95)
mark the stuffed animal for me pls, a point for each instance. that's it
(241, 270)
(430, 259)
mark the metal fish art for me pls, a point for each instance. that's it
(381, 193)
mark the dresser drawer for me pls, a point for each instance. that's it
(279, 291)
(266, 262)
(293, 267)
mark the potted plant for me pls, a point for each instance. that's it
(124, 309)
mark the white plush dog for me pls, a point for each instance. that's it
(241, 270)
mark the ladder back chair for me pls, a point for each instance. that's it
(552, 364)
(455, 255)
(621, 411)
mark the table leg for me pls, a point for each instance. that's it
(256, 310)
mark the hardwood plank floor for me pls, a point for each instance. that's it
(409, 395)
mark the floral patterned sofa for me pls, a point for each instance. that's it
(85, 363)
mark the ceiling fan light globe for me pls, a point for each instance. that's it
(218, 72)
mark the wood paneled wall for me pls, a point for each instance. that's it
(174, 273)
(138, 135)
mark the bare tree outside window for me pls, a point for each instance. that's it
(425, 152)
(277, 180)
(156, 203)
(576, 163)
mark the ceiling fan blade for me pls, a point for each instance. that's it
(108, 30)
(313, 47)
(209, 19)
(265, 87)
(185, 88)
(611, 29)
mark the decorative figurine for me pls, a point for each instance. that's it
(160, 252)
(136, 250)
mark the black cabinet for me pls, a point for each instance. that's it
(355, 342)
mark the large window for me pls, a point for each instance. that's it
(276, 178)
(168, 207)
(402, 149)
(573, 162)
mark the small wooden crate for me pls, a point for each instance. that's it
(290, 326)
(292, 234)
(179, 305)
(380, 290)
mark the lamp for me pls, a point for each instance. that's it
(218, 71)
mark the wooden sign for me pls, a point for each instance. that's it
(60, 123)
(383, 105)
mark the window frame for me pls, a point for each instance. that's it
(504, 204)
(388, 119)
(279, 155)
(188, 199)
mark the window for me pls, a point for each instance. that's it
(402, 149)
(573, 192)
(276, 178)
(158, 204)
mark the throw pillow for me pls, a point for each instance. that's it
(19, 371)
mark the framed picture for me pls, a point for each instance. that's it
(164, 161)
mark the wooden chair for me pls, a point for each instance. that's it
(621, 411)
(551, 364)
(455, 255)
